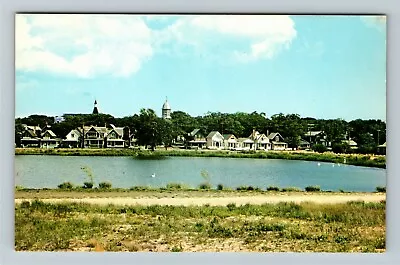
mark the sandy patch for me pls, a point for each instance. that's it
(223, 201)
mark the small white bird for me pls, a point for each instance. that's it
(333, 165)
(319, 164)
(153, 175)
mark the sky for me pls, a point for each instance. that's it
(316, 66)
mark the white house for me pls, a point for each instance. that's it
(277, 141)
(215, 140)
(31, 136)
(230, 141)
(196, 139)
(261, 141)
(114, 137)
(49, 139)
(72, 138)
(245, 144)
(351, 143)
(97, 137)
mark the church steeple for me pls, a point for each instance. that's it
(95, 109)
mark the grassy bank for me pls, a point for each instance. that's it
(351, 159)
(350, 227)
(176, 187)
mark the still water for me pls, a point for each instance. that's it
(124, 172)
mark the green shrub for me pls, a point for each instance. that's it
(272, 188)
(320, 148)
(248, 188)
(313, 188)
(341, 148)
(66, 186)
(87, 185)
(139, 188)
(105, 185)
(205, 186)
(220, 187)
(176, 249)
(291, 189)
(380, 189)
(174, 186)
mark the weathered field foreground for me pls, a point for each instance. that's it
(133, 223)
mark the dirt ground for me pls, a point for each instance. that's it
(223, 200)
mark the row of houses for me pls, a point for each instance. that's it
(255, 141)
(320, 137)
(86, 136)
(113, 137)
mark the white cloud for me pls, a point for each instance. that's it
(265, 35)
(97, 44)
(90, 45)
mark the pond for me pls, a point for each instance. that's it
(35, 171)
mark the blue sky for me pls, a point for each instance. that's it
(316, 66)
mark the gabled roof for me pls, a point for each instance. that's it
(118, 130)
(52, 134)
(194, 132)
(245, 140)
(75, 131)
(229, 135)
(31, 133)
(273, 135)
(382, 145)
(350, 142)
(212, 134)
(33, 128)
(260, 139)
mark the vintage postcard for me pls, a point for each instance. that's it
(200, 133)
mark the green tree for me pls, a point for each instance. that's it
(147, 131)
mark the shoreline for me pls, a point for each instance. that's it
(375, 161)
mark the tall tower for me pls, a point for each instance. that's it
(95, 110)
(166, 110)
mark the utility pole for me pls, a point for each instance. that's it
(83, 135)
(378, 135)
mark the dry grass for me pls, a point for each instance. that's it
(350, 227)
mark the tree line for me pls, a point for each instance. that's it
(151, 130)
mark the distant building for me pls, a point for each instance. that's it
(34, 136)
(261, 141)
(166, 110)
(277, 141)
(316, 137)
(215, 140)
(303, 144)
(382, 149)
(351, 143)
(95, 109)
(230, 141)
(96, 137)
(58, 119)
(196, 139)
